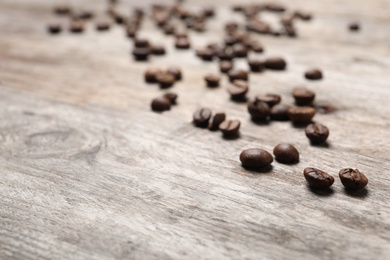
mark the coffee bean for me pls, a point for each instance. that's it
(286, 153)
(225, 53)
(141, 54)
(54, 28)
(212, 80)
(301, 115)
(161, 104)
(240, 51)
(303, 15)
(290, 30)
(217, 120)
(231, 40)
(257, 47)
(165, 79)
(303, 96)
(209, 11)
(84, 15)
(205, 54)
(317, 179)
(258, 27)
(270, 99)
(151, 75)
(353, 179)
(76, 26)
(225, 66)
(103, 25)
(169, 29)
(275, 63)
(317, 133)
(176, 72)
(230, 128)
(182, 43)
(231, 26)
(238, 75)
(131, 31)
(258, 110)
(157, 49)
(274, 7)
(256, 65)
(172, 97)
(313, 74)
(256, 158)
(238, 89)
(141, 43)
(279, 112)
(354, 26)
(62, 10)
(202, 117)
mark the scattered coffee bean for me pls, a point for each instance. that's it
(303, 96)
(141, 54)
(354, 26)
(151, 75)
(275, 63)
(238, 89)
(274, 7)
(161, 104)
(141, 43)
(54, 28)
(317, 179)
(84, 15)
(286, 153)
(225, 66)
(62, 10)
(303, 15)
(202, 117)
(240, 51)
(225, 53)
(182, 43)
(317, 133)
(256, 158)
(301, 115)
(205, 54)
(76, 26)
(172, 97)
(353, 179)
(157, 49)
(176, 72)
(212, 80)
(238, 75)
(256, 65)
(165, 79)
(230, 128)
(313, 74)
(103, 25)
(258, 110)
(257, 47)
(270, 99)
(279, 112)
(217, 120)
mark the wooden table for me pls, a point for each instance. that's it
(89, 172)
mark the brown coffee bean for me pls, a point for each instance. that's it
(141, 54)
(279, 112)
(212, 80)
(240, 51)
(238, 75)
(230, 40)
(217, 120)
(290, 30)
(176, 72)
(230, 128)
(141, 43)
(76, 26)
(354, 26)
(256, 65)
(172, 97)
(225, 66)
(165, 79)
(270, 99)
(156, 49)
(303, 96)
(317, 179)
(275, 63)
(260, 27)
(150, 75)
(302, 15)
(238, 89)
(317, 133)
(286, 153)
(256, 158)
(258, 110)
(182, 43)
(274, 7)
(62, 10)
(353, 179)
(54, 28)
(160, 104)
(209, 11)
(301, 115)
(103, 25)
(202, 117)
(169, 29)
(313, 74)
(84, 15)
(205, 54)
(257, 47)
(225, 53)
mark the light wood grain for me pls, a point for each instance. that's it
(89, 172)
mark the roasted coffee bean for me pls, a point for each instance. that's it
(317, 179)
(54, 28)
(303, 96)
(279, 112)
(160, 104)
(172, 97)
(257, 47)
(303, 15)
(238, 89)
(157, 49)
(141, 54)
(290, 30)
(212, 80)
(313, 74)
(218, 118)
(231, 26)
(240, 51)
(182, 43)
(103, 25)
(62, 10)
(353, 179)
(230, 128)
(225, 66)
(209, 11)
(256, 158)
(141, 43)
(84, 15)
(354, 26)
(225, 53)
(76, 26)
(151, 75)
(169, 29)
(301, 115)
(257, 26)
(176, 72)
(275, 63)
(258, 110)
(205, 54)
(238, 75)
(317, 133)
(165, 79)
(256, 65)
(270, 99)
(202, 117)
(274, 7)
(286, 153)
(231, 40)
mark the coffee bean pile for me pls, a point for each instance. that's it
(237, 43)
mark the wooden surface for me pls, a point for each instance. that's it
(89, 172)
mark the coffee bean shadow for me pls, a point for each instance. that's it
(301, 125)
(261, 122)
(239, 100)
(285, 163)
(321, 192)
(253, 170)
(325, 144)
(231, 137)
(362, 193)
